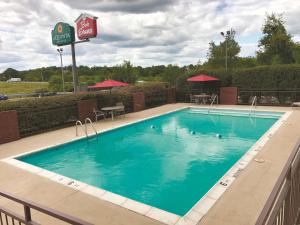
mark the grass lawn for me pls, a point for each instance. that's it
(21, 87)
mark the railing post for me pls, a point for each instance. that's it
(27, 213)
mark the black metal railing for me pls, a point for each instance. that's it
(269, 97)
(8, 217)
(283, 204)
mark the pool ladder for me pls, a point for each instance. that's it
(212, 102)
(86, 121)
(254, 104)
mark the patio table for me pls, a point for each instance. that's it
(112, 109)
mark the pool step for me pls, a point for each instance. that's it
(228, 113)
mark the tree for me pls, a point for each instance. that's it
(276, 45)
(171, 73)
(296, 53)
(246, 62)
(9, 73)
(125, 72)
(55, 83)
(217, 53)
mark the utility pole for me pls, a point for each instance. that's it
(60, 51)
(42, 76)
(226, 36)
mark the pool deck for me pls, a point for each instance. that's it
(240, 204)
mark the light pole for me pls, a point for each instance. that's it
(226, 37)
(60, 51)
(42, 75)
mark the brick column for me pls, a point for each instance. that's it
(138, 101)
(228, 95)
(85, 109)
(9, 128)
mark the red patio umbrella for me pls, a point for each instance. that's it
(201, 78)
(108, 84)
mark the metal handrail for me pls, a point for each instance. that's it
(285, 189)
(78, 122)
(26, 219)
(215, 97)
(212, 102)
(254, 103)
(88, 120)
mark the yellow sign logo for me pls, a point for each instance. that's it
(59, 28)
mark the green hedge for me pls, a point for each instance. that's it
(262, 78)
(184, 88)
(40, 114)
(155, 93)
(275, 77)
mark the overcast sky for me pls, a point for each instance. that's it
(146, 32)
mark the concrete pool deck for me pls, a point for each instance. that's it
(240, 204)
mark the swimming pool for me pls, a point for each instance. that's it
(168, 162)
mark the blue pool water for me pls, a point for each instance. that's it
(169, 162)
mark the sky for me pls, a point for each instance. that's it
(146, 32)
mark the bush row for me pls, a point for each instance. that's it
(272, 77)
(275, 77)
(184, 88)
(39, 114)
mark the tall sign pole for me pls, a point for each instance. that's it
(74, 68)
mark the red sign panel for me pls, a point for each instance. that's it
(86, 28)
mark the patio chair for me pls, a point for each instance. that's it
(192, 99)
(98, 113)
(121, 110)
(297, 104)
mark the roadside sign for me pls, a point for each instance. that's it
(86, 25)
(63, 34)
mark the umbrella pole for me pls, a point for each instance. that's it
(110, 100)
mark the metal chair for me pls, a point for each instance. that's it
(295, 104)
(193, 99)
(98, 113)
(122, 108)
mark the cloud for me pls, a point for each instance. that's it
(146, 32)
(9, 58)
(129, 6)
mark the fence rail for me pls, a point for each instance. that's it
(8, 217)
(283, 204)
(269, 97)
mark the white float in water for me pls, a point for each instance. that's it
(218, 135)
(152, 126)
(192, 132)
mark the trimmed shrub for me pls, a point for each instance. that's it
(184, 88)
(40, 114)
(274, 77)
(155, 93)
(273, 85)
